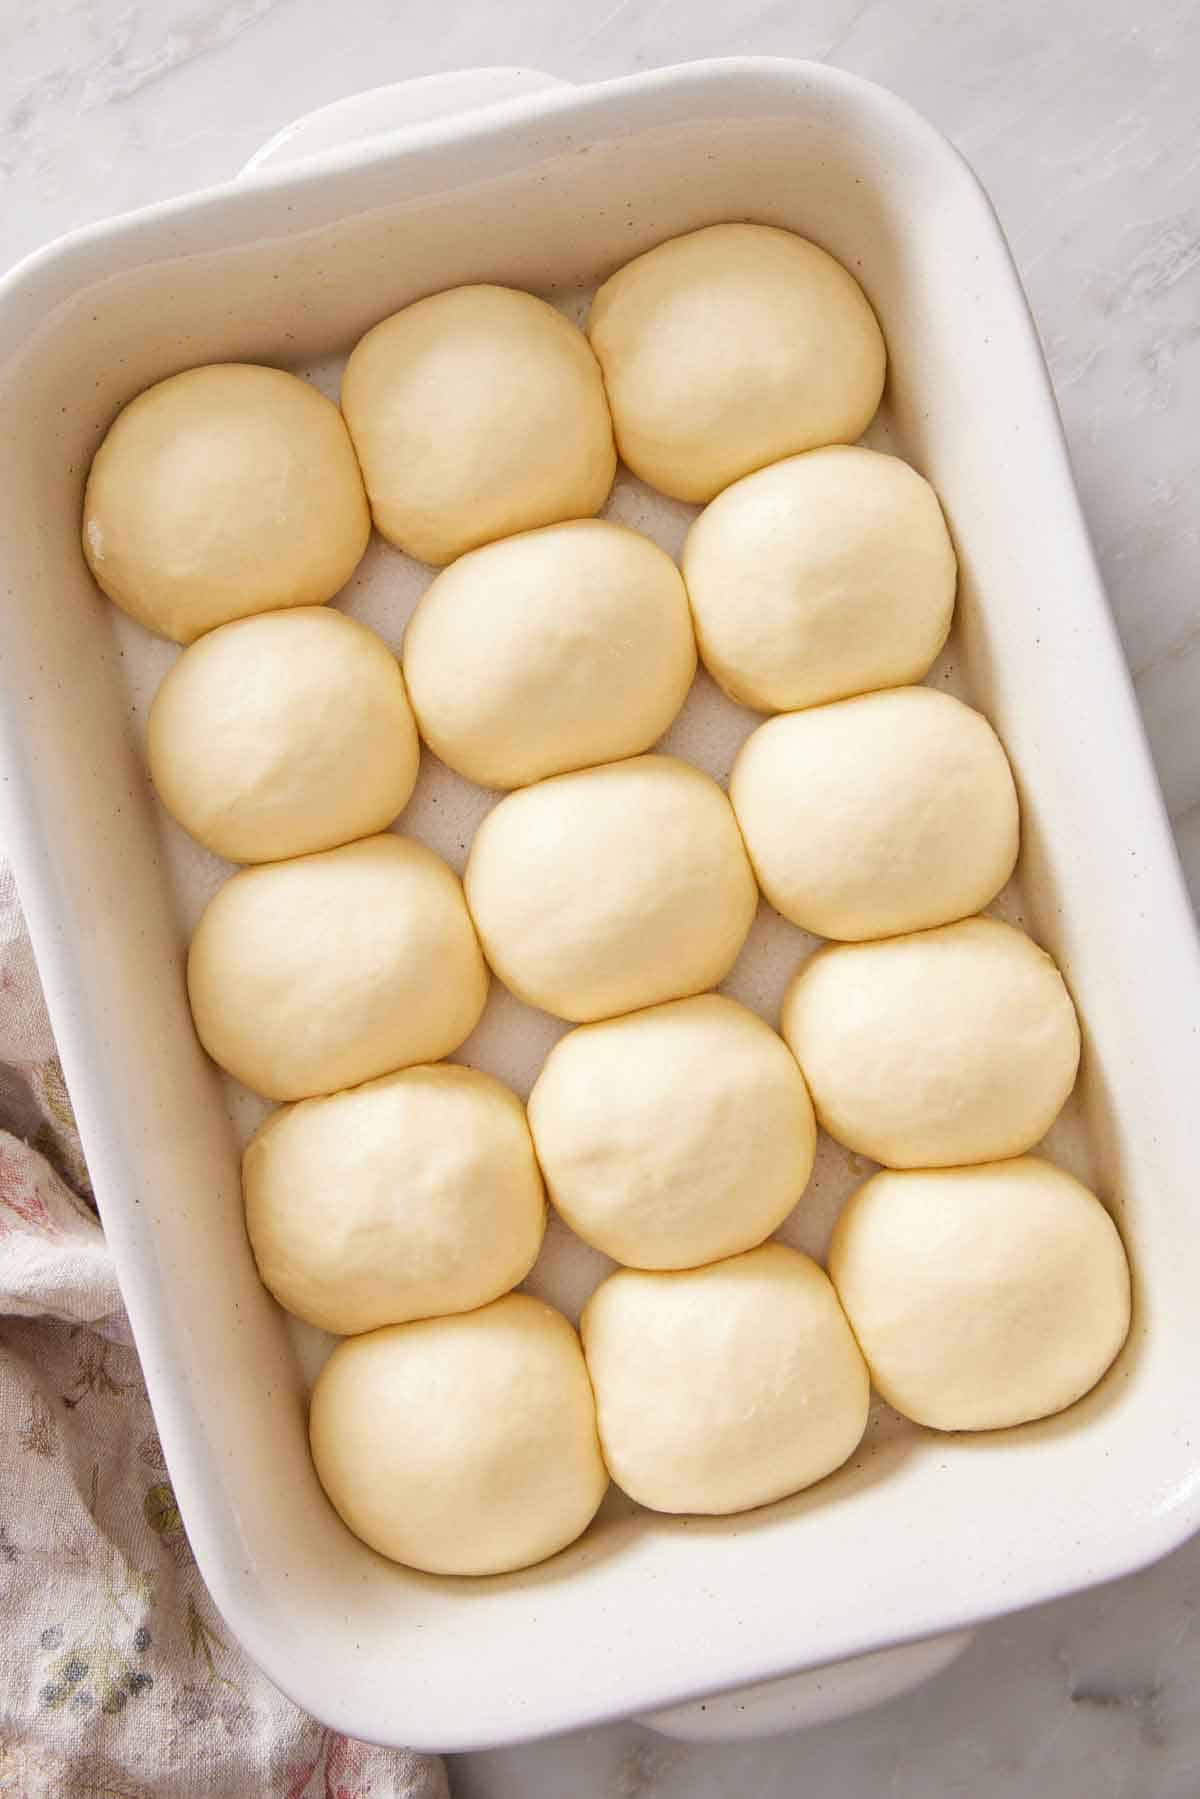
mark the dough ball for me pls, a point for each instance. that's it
(887, 813)
(613, 888)
(461, 1445)
(982, 1297)
(675, 1135)
(312, 975)
(550, 651)
(826, 575)
(220, 492)
(724, 1387)
(729, 348)
(477, 413)
(955, 1045)
(282, 734)
(408, 1197)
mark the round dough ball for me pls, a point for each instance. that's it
(675, 1135)
(951, 1046)
(826, 575)
(730, 347)
(282, 734)
(220, 492)
(477, 413)
(312, 975)
(982, 1297)
(461, 1445)
(892, 812)
(412, 1196)
(599, 892)
(724, 1387)
(550, 651)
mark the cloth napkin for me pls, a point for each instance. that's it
(118, 1680)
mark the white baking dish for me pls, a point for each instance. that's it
(919, 1534)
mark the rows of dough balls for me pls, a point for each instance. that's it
(456, 1428)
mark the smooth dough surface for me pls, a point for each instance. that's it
(730, 347)
(411, 1196)
(550, 651)
(312, 975)
(461, 1445)
(891, 812)
(955, 1045)
(822, 576)
(613, 888)
(282, 734)
(982, 1297)
(724, 1387)
(224, 491)
(477, 413)
(676, 1135)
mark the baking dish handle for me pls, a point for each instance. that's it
(797, 1700)
(393, 108)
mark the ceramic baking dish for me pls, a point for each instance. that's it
(549, 189)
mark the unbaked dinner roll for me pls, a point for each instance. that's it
(892, 812)
(724, 1387)
(825, 575)
(675, 1135)
(613, 888)
(411, 1196)
(553, 650)
(476, 413)
(982, 1297)
(312, 975)
(461, 1445)
(282, 734)
(223, 491)
(729, 348)
(954, 1045)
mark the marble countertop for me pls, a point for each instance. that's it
(1081, 120)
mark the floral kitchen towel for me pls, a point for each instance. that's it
(118, 1680)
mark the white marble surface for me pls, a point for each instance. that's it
(1080, 117)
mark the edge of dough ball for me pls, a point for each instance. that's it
(510, 450)
(823, 576)
(957, 1334)
(674, 1136)
(282, 734)
(412, 1196)
(532, 866)
(754, 407)
(275, 1008)
(550, 651)
(421, 1467)
(953, 1046)
(877, 816)
(181, 563)
(693, 1371)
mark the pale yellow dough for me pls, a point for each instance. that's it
(550, 651)
(312, 975)
(822, 576)
(224, 491)
(477, 413)
(724, 1387)
(610, 889)
(982, 1297)
(414, 1195)
(461, 1445)
(730, 347)
(891, 812)
(676, 1135)
(954, 1045)
(282, 734)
